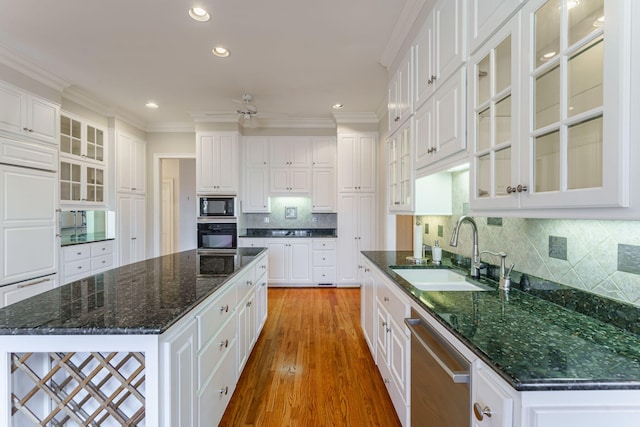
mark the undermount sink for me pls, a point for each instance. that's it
(437, 280)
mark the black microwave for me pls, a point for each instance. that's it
(216, 206)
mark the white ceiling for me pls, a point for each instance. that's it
(296, 57)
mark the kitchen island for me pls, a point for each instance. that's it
(555, 354)
(139, 344)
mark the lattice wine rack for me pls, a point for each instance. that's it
(79, 389)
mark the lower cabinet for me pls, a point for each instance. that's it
(204, 354)
(11, 294)
(289, 261)
(84, 260)
(324, 261)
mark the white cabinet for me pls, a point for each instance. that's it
(82, 184)
(323, 174)
(439, 125)
(84, 260)
(217, 163)
(131, 228)
(491, 399)
(357, 167)
(10, 294)
(368, 303)
(81, 140)
(290, 165)
(485, 17)
(28, 115)
(249, 242)
(255, 197)
(440, 47)
(400, 171)
(324, 261)
(130, 164)
(289, 261)
(357, 231)
(29, 244)
(400, 101)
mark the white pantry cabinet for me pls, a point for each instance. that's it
(130, 164)
(357, 231)
(357, 162)
(217, 163)
(27, 115)
(439, 48)
(131, 228)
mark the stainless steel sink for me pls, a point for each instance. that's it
(437, 280)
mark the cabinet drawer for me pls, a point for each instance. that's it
(214, 397)
(76, 252)
(324, 274)
(246, 284)
(489, 394)
(77, 269)
(101, 263)
(215, 315)
(215, 350)
(13, 293)
(101, 248)
(28, 154)
(324, 258)
(324, 244)
(398, 309)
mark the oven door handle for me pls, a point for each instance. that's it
(456, 376)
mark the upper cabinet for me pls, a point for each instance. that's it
(28, 115)
(130, 164)
(357, 162)
(82, 162)
(400, 171)
(255, 197)
(323, 174)
(570, 148)
(439, 48)
(217, 163)
(487, 16)
(290, 164)
(400, 101)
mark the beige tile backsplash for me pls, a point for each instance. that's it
(592, 247)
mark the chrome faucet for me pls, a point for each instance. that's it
(505, 276)
(475, 261)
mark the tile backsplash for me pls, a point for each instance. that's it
(599, 256)
(277, 218)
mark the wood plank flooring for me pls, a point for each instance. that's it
(311, 366)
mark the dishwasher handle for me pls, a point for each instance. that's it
(460, 377)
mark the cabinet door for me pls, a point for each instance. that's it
(217, 163)
(261, 305)
(450, 37)
(489, 395)
(367, 224)
(368, 306)
(401, 170)
(181, 376)
(138, 222)
(399, 358)
(279, 150)
(138, 172)
(324, 152)
(277, 260)
(424, 61)
(256, 193)
(125, 229)
(423, 124)
(42, 119)
(279, 180)
(247, 242)
(256, 151)
(29, 246)
(449, 107)
(299, 180)
(383, 331)
(366, 163)
(131, 164)
(300, 256)
(12, 109)
(348, 233)
(20, 291)
(485, 17)
(323, 194)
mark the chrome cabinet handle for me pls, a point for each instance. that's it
(224, 344)
(37, 282)
(224, 390)
(224, 308)
(481, 412)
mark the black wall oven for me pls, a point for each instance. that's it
(217, 234)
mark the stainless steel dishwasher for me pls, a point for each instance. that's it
(440, 392)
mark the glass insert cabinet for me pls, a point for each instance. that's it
(548, 108)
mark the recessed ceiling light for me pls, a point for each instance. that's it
(572, 3)
(547, 56)
(199, 14)
(152, 105)
(599, 22)
(220, 51)
(337, 106)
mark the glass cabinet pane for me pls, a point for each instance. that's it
(585, 75)
(503, 120)
(584, 154)
(503, 65)
(547, 31)
(503, 171)
(547, 162)
(484, 176)
(547, 98)
(484, 130)
(484, 80)
(585, 17)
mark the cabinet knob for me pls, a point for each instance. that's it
(224, 309)
(224, 344)
(517, 189)
(224, 391)
(481, 412)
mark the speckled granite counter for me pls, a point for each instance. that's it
(83, 238)
(290, 232)
(137, 299)
(544, 337)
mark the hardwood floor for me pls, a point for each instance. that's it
(311, 366)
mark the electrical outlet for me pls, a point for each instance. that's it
(315, 219)
(266, 220)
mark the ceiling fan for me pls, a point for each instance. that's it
(248, 110)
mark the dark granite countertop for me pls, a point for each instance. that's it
(83, 238)
(146, 297)
(290, 232)
(543, 337)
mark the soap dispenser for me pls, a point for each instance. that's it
(436, 253)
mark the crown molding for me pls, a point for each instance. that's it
(298, 122)
(401, 29)
(12, 60)
(364, 117)
(171, 127)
